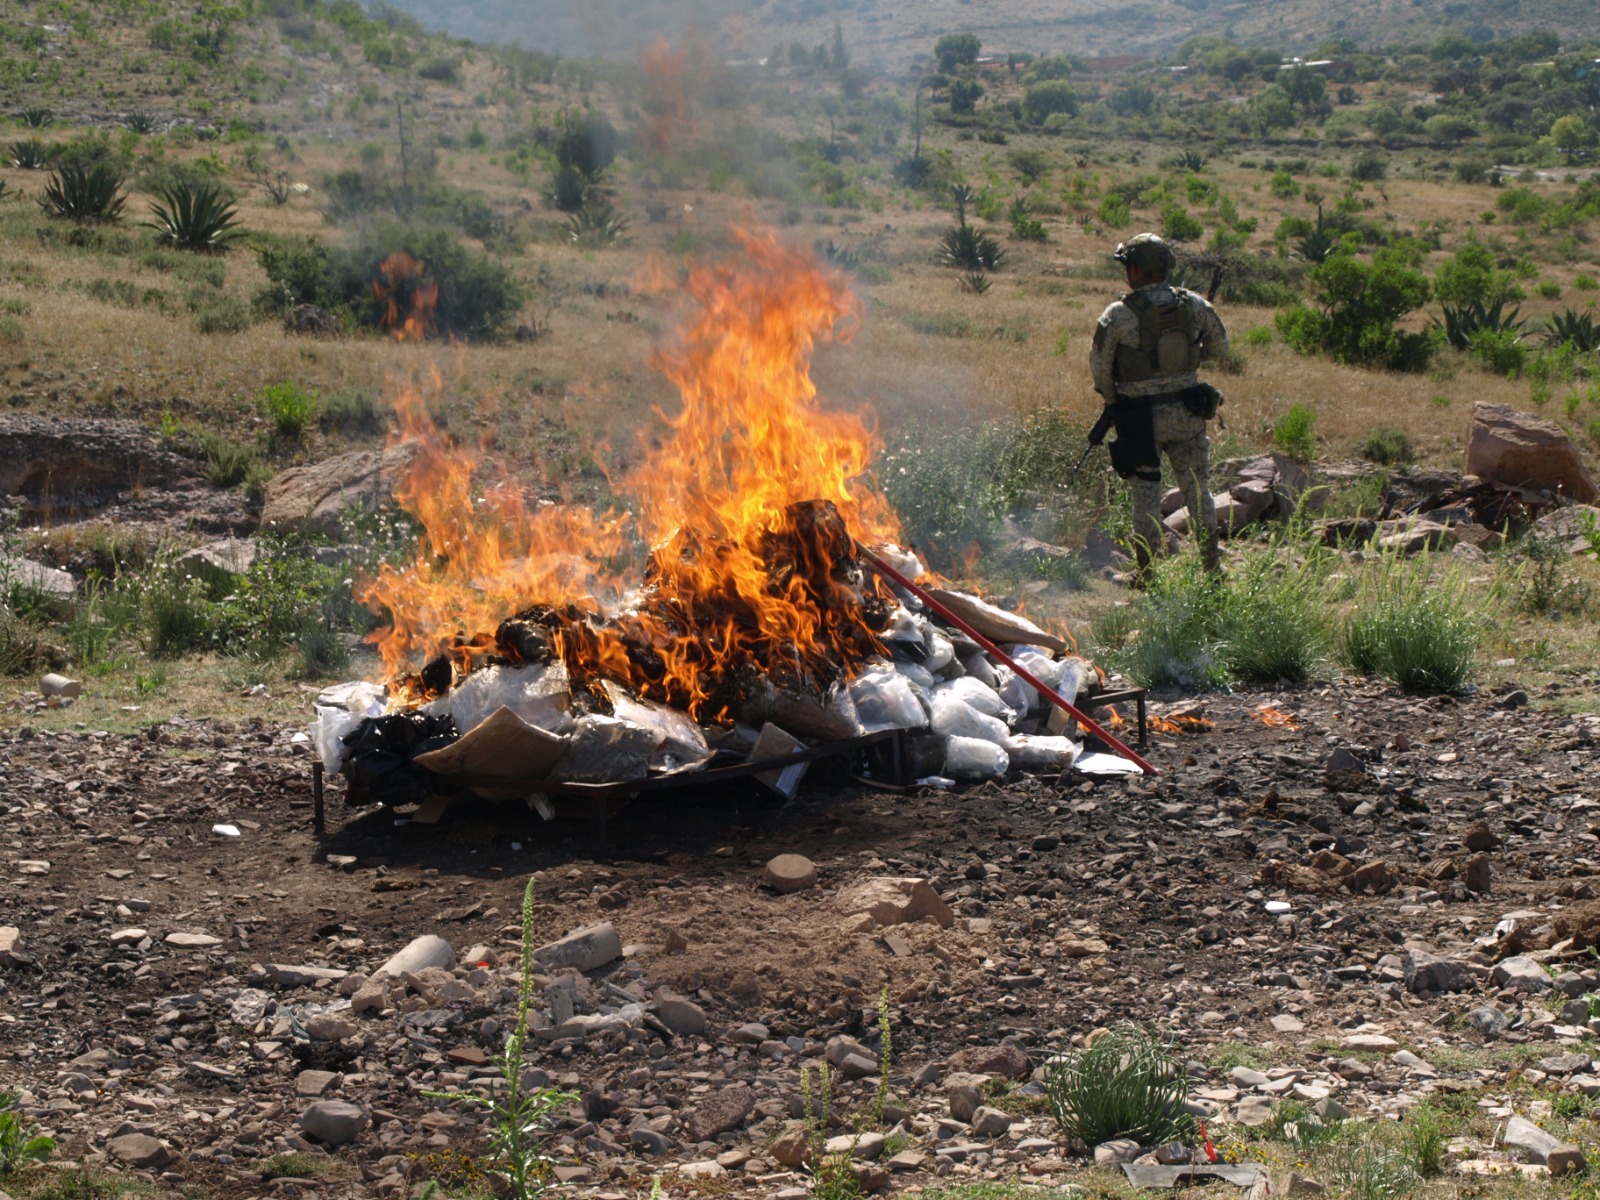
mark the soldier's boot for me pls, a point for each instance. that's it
(1211, 553)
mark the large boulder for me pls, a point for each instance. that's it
(221, 563)
(318, 496)
(1519, 450)
(26, 575)
(1570, 525)
(65, 468)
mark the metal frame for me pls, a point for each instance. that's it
(599, 802)
(1137, 695)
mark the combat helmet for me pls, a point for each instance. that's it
(1149, 253)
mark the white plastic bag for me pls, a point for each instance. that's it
(918, 675)
(1040, 665)
(1041, 751)
(940, 651)
(972, 691)
(884, 699)
(1019, 695)
(538, 693)
(974, 758)
(954, 717)
(328, 732)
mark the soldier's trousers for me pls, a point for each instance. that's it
(1181, 439)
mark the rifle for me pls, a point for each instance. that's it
(1097, 437)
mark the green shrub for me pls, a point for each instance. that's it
(198, 219)
(227, 464)
(289, 407)
(1292, 433)
(1501, 351)
(476, 297)
(11, 329)
(1113, 211)
(20, 1143)
(1127, 1084)
(1257, 336)
(1274, 623)
(1425, 1140)
(1369, 165)
(1387, 446)
(353, 411)
(1177, 225)
(1172, 634)
(1357, 305)
(1412, 628)
(217, 312)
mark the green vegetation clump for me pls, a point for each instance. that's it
(476, 295)
(1128, 1083)
(1388, 447)
(1357, 305)
(1293, 433)
(198, 219)
(290, 407)
(1412, 628)
(86, 194)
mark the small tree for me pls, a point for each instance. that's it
(1356, 306)
(956, 50)
(1043, 100)
(1571, 134)
(964, 95)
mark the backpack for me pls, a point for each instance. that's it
(1168, 344)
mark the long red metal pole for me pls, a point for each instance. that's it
(1049, 693)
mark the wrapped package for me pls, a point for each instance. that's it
(954, 717)
(885, 699)
(539, 694)
(1042, 752)
(974, 758)
(1017, 694)
(940, 651)
(972, 691)
(917, 674)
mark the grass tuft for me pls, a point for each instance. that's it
(1129, 1083)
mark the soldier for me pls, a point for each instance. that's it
(1147, 347)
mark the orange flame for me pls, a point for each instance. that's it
(743, 510)
(405, 289)
(1275, 718)
(665, 99)
(1183, 723)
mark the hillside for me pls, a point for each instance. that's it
(890, 33)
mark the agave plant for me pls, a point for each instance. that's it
(1190, 160)
(199, 218)
(975, 283)
(597, 224)
(970, 249)
(1464, 322)
(140, 122)
(35, 118)
(84, 194)
(845, 257)
(31, 154)
(1574, 329)
(1317, 245)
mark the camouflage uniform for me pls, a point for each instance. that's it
(1180, 435)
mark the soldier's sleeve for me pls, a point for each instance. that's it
(1213, 335)
(1103, 353)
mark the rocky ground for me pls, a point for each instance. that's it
(190, 1006)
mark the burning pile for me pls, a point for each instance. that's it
(516, 640)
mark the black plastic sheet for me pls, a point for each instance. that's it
(379, 756)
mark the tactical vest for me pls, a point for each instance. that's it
(1167, 341)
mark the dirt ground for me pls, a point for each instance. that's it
(1077, 903)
